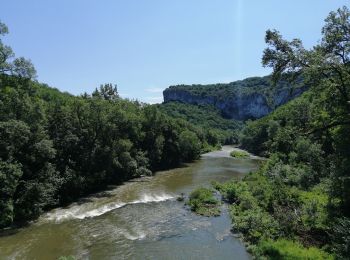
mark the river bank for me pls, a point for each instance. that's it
(137, 220)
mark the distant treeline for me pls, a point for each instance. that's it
(223, 91)
(216, 128)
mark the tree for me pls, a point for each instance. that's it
(56, 147)
(326, 65)
(326, 68)
(107, 92)
(11, 65)
(190, 145)
(10, 173)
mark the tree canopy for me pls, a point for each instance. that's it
(56, 147)
(11, 65)
(303, 189)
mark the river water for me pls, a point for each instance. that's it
(139, 220)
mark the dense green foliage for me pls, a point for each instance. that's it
(9, 64)
(248, 86)
(239, 154)
(301, 193)
(265, 209)
(275, 131)
(289, 250)
(55, 147)
(203, 202)
(217, 129)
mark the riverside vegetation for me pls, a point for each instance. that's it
(239, 154)
(297, 206)
(219, 129)
(203, 202)
(56, 147)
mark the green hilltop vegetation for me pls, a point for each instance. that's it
(222, 91)
(217, 129)
(297, 205)
(251, 98)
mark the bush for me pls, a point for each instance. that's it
(341, 237)
(248, 217)
(286, 249)
(233, 191)
(190, 146)
(254, 223)
(203, 202)
(314, 208)
(239, 154)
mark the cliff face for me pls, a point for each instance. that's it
(239, 104)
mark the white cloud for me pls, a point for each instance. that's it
(153, 100)
(154, 90)
(124, 95)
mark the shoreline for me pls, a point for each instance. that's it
(103, 192)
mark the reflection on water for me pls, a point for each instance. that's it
(138, 220)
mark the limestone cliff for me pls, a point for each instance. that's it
(248, 99)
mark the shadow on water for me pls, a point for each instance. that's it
(10, 231)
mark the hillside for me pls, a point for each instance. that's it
(207, 117)
(56, 147)
(250, 98)
(297, 205)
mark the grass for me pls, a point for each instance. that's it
(290, 250)
(203, 202)
(239, 154)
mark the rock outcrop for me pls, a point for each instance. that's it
(238, 103)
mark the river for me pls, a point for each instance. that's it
(140, 219)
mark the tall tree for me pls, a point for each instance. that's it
(326, 65)
(326, 68)
(11, 65)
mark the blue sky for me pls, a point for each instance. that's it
(146, 45)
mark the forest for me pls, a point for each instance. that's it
(298, 203)
(219, 130)
(56, 147)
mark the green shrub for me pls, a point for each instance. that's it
(248, 218)
(286, 249)
(253, 223)
(341, 237)
(261, 188)
(231, 191)
(314, 208)
(203, 202)
(239, 154)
